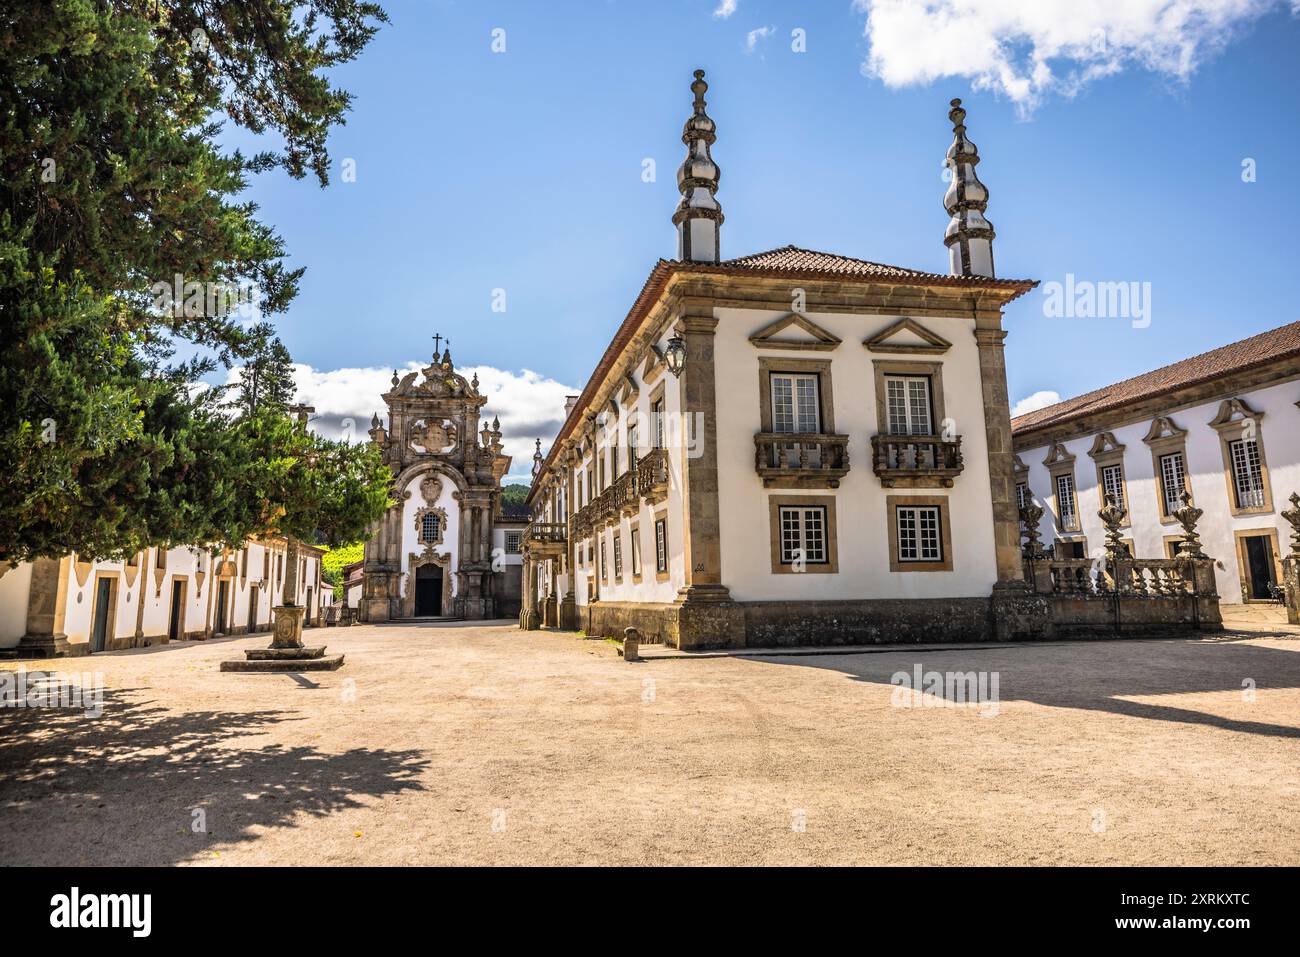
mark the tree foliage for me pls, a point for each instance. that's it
(123, 245)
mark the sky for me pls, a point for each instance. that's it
(500, 152)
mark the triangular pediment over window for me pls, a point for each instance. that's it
(910, 337)
(1233, 411)
(794, 332)
(1058, 455)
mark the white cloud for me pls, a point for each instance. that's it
(1035, 401)
(1027, 51)
(530, 406)
(753, 37)
(727, 7)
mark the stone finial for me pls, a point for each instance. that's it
(1030, 515)
(698, 216)
(537, 460)
(969, 236)
(1111, 515)
(1292, 515)
(1188, 515)
(394, 378)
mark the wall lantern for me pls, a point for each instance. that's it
(676, 356)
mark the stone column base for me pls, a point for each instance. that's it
(1291, 583)
(1019, 613)
(50, 646)
(708, 618)
(374, 609)
(569, 612)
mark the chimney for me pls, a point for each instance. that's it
(698, 215)
(969, 236)
(569, 402)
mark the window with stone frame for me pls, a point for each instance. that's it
(633, 450)
(1173, 480)
(604, 565)
(658, 412)
(513, 540)
(429, 527)
(919, 538)
(907, 399)
(1247, 475)
(1022, 494)
(618, 557)
(1112, 484)
(1067, 506)
(661, 546)
(803, 534)
(920, 533)
(636, 552)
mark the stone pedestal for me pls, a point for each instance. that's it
(50, 646)
(1019, 613)
(287, 652)
(708, 618)
(569, 612)
(1291, 583)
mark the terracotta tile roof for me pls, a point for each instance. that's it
(786, 261)
(1258, 350)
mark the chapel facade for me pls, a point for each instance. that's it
(440, 551)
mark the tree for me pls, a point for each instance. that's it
(267, 375)
(514, 494)
(121, 240)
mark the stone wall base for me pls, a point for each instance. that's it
(1104, 616)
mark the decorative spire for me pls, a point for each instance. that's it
(969, 236)
(537, 459)
(698, 215)
(394, 378)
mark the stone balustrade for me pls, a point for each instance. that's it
(801, 459)
(916, 461)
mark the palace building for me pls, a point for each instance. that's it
(790, 446)
(1221, 426)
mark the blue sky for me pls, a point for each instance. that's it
(522, 170)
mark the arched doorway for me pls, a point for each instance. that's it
(428, 590)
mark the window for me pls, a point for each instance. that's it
(1173, 478)
(513, 540)
(920, 537)
(657, 412)
(604, 568)
(1112, 484)
(636, 553)
(591, 481)
(803, 535)
(429, 528)
(795, 404)
(614, 469)
(631, 445)
(618, 557)
(1022, 495)
(1066, 513)
(918, 533)
(908, 400)
(1247, 476)
(661, 546)
(160, 557)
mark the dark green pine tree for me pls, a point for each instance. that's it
(113, 196)
(266, 379)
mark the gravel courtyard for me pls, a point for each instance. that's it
(456, 744)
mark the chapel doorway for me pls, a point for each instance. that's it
(176, 619)
(105, 611)
(428, 591)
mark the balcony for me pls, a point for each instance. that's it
(916, 461)
(801, 459)
(543, 540)
(652, 476)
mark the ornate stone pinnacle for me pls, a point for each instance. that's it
(969, 236)
(394, 378)
(1111, 515)
(698, 215)
(1188, 515)
(1030, 515)
(1292, 515)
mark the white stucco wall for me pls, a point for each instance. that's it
(1279, 432)
(862, 523)
(142, 584)
(411, 535)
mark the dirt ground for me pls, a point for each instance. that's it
(452, 744)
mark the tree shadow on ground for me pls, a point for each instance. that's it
(1119, 670)
(122, 788)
